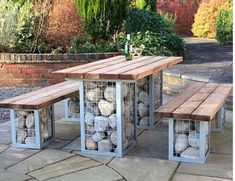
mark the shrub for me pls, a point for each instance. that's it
(8, 23)
(149, 5)
(63, 23)
(184, 12)
(205, 18)
(224, 23)
(170, 21)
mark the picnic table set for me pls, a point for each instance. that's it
(112, 98)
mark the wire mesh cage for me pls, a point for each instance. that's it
(217, 123)
(32, 128)
(189, 140)
(149, 98)
(109, 117)
(72, 108)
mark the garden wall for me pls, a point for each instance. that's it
(36, 69)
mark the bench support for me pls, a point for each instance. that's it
(217, 124)
(32, 128)
(68, 115)
(189, 141)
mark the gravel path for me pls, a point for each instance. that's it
(8, 92)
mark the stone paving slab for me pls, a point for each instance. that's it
(58, 144)
(12, 156)
(74, 145)
(65, 131)
(72, 164)
(181, 177)
(5, 134)
(139, 168)
(222, 142)
(217, 165)
(39, 160)
(3, 147)
(11, 176)
(100, 173)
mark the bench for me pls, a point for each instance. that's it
(191, 115)
(32, 114)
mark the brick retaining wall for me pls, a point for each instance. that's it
(36, 69)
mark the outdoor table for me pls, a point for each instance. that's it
(116, 96)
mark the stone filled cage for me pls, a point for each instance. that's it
(189, 140)
(72, 108)
(149, 98)
(217, 124)
(32, 128)
(108, 122)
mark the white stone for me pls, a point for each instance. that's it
(98, 136)
(101, 123)
(142, 109)
(44, 132)
(113, 121)
(182, 127)
(181, 142)
(141, 82)
(23, 113)
(194, 139)
(74, 107)
(105, 145)
(30, 121)
(90, 129)
(206, 127)
(90, 144)
(89, 119)
(90, 85)
(124, 90)
(30, 140)
(94, 95)
(110, 94)
(144, 97)
(127, 111)
(21, 135)
(130, 129)
(106, 108)
(45, 115)
(20, 121)
(144, 121)
(190, 153)
(113, 137)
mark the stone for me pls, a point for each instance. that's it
(127, 111)
(206, 128)
(30, 140)
(30, 121)
(194, 139)
(105, 145)
(113, 121)
(74, 107)
(94, 95)
(92, 108)
(91, 144)
(113, 137)
(23, 113)
(181, 142)
(101, 123)
(180, 177)
(45, 115)
(144, 97)
(21, 135)
(182, 127)
(90, 129)
(89, 119)
(110, 94)
(106, 108)
(141, 82)
(98, 136)
(144, 121)
(142, 109)
(90, 85)
(124, 90)
(190, 153)
(11, 176)
(20, 121)
(130, 129)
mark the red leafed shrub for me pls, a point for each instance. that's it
(184, 11)
(63, 23)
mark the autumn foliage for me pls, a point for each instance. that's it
(205, 19)
(62, 24)
(184, 11)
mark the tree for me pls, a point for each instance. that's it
(103, 18)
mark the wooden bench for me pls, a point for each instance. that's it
(191, 115)
(32, 114)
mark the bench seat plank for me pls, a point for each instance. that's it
(42, 97)
(167, 109)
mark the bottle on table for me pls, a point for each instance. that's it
(128, 48)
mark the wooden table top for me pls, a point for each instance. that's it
(118, 68)
(199, 101)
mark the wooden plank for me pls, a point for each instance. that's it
(72, 69)
(207, 110)
(185, 110)
(149, 69)
(96, 74)
(167, 109)
(5, 103)
(114, 71)
(81, 72)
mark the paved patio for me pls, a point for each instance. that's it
(63, 160)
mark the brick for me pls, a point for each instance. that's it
(15, 71)
(9, 66)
